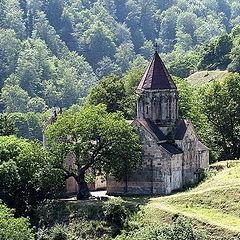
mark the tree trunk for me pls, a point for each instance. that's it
(83, 192)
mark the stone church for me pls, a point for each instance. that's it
(172, 155)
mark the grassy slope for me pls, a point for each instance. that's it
(214, 205)
(203, 77)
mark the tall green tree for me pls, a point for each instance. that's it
(43, 30)
(14, 98)
(110, 91)
(10, 47)
(99, 140)
(124, 55)
(11, 17)
(221, 105)
(28, 175)
(97, 42)
(7, 125)
(216, 54)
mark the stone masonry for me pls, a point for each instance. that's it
(172, 155)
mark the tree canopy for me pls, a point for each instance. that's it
(99, 140)
(28, 175)
(53, 52)
(220, 102)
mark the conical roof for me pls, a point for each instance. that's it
(156, 76)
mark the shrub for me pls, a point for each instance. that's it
(117, 212)
(13, 228)
(181, 229)
(59, 232)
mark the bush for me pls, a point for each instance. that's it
(117, 212)
(182, 229)
(59, 232)
(78, 229)
(13, 228)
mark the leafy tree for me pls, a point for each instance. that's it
(14, 228)
(43, 30)
(106, 67)
(187, 22)
(29, 125)
(99, 140)
(7, 125)
(189, 105)
(10, 147)
(142, 13)
(121, 9)
(132, 78)
(36, 105)
(124, 55)
(208, 29)
(122, 33)
(11, 17)
(235, 8)
(97, 42)
(215, 55)
(138, 62)
(234, 66)
(85, 79)
(15, 99)
(10, 47)
(147, 49)
(110, 91)
(220, 103)
(110, 6)
(184, 66)
(28, 177)
(168, 24)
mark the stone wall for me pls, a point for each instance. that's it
(193, 158)
(189, 147)
(161, 106)
(160, 172)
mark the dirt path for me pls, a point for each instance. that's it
(211, 216)
(197, 192)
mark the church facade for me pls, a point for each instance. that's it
(172, 155)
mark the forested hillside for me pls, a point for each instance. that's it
(53, 51)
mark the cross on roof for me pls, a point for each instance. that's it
(156, 47)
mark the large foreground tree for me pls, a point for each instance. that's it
(101, 141)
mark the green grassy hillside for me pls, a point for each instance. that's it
(203, 77)
(214, 205)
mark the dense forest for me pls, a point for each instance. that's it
(84, 59)
(53, 51)
(67, 53)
